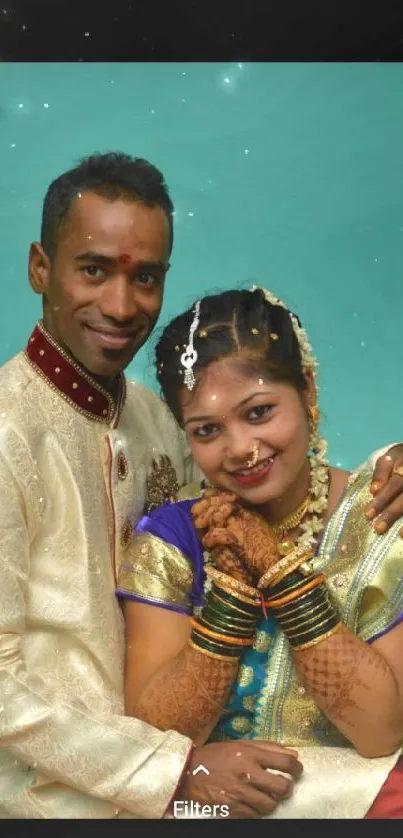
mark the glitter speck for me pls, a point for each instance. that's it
(20, 105)
(79, 195)
(86, 34)
(13, 145)
(227, 80)
(355, 314)
(213, 398)
(240, 66)
(112, 82)
(45, 105)
(246, 151)
(153, 111)
(183, 101)
(362, 344)
(184, 73)
(191, 214)
(3, 415)
(24, 28)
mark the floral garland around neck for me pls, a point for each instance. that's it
(318, 493)
(313, 521)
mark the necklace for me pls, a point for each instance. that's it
(309, 515)
(289, 522)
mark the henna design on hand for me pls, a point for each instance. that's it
(339, 675)
(224, 523)
(188, 694)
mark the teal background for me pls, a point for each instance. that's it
(289, 175)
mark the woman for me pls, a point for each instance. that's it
(295, 603)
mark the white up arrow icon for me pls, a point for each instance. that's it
(201, 768)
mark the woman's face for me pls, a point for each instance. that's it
(227, 413)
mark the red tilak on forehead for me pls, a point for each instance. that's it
(125, 259)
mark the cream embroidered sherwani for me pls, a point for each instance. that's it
(75, 469)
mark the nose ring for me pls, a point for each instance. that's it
(255, 455)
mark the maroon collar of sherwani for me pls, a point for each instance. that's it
(72, 381)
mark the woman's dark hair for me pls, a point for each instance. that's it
(241, 324)
(113, 176)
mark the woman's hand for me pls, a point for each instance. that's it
(387, 488)
(231, 532)
(211, 513)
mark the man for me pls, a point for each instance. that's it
(82, 452)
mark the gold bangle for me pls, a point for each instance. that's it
(231, 585)
(285, 565)
(213, 654)
(318, 639)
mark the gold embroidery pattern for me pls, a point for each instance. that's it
(162, 484)
(369, 594)
(249, 702)
(156, 572)
(245, 676)
(262, 641)
(240, 724)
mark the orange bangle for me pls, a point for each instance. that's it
(232, 641)
(274, 603)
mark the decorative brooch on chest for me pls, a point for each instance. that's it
(162, 483)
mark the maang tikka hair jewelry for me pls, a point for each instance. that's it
(189, 356)
(255, 455)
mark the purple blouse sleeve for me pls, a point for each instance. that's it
(173, 524)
